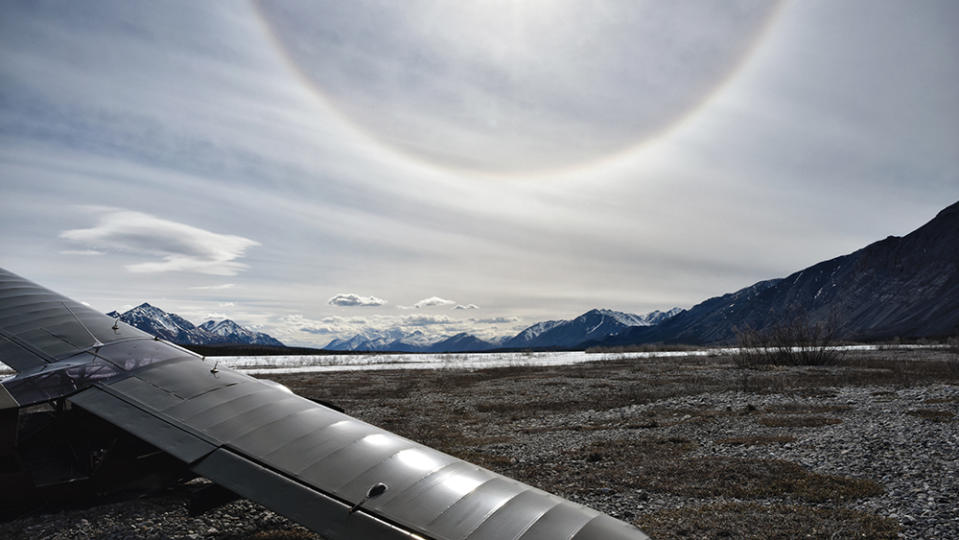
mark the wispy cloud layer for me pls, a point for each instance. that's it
(328, 134)
(350, 300)
(182, 248)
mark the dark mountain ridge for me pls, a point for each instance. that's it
(461, 342)
(897, 287)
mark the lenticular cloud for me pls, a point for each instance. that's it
(179, 247)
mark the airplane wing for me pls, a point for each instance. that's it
(332, 473)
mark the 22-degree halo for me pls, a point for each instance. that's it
(509, 87)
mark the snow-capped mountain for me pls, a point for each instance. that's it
(367, 340)
(461, 342)
(157, 322)
(593, 325)
(172, 327)
(655, 317)
(391, 339)
(524, 338)
(231, 332)
(398, 340)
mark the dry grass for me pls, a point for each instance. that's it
(752, 478)
(805, 408)
(659, 465)
(292, 533)
(797, 421)
(757, 440)
(754, 521)
(933, 415)
(936, 401)
(868, 368)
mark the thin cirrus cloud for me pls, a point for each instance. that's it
(220, 287)
(82, 252)
(180, 247)
(351, 300)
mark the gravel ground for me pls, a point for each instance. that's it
(895, 427)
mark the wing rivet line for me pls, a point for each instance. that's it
(376, 490)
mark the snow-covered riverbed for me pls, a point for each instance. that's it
(354, 362)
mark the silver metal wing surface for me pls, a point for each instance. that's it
(330, 472)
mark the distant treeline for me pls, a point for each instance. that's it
(255, 350)
(242, 349)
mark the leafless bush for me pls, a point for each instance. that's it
(794, 341)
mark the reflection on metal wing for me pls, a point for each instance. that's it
(326, 470)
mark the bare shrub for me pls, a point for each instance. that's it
(796, 340)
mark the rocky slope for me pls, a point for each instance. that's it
(906, 287)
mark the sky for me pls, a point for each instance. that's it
(319, 169)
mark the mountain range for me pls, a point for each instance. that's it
(904, 287)
(172, 327)
(592, 325)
